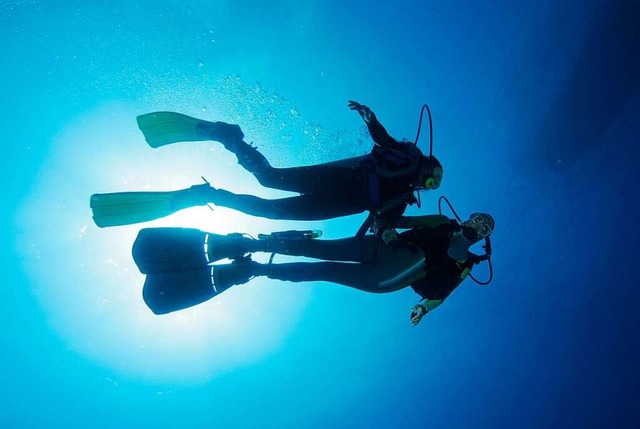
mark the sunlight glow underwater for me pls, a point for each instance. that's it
(87, 283)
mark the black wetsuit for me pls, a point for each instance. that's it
(442, 273)
(378, 262)
(381, 180)
(179, 274)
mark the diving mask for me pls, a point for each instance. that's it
(479, 225)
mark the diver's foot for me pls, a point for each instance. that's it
(230, 135)
(232, 138)
(233, 246)
(203, 194)
(251, 159)
(197, 195)
(237, 273)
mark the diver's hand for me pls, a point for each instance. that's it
(364, 111)
(389, 235)
(417, 313)
(383, 229)
(380, 223)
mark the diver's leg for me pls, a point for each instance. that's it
(249, 157)
(232, 138)
(306, 179)
(366, 250)
(346, 175)
(368, 277)
(345, 249)
(304, 207)
(365, 277)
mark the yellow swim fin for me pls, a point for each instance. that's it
(163, 128)
(125, 208)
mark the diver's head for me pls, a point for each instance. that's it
(479, 226)
(430, 176)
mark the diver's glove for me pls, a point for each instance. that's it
(417, 313)
(383, 229)
(389, 235)
(364, 111)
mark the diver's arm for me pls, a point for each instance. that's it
(385, 220)
(378, 133)
(431, 304)
(429, 221)
(423, 308)
(386, 227)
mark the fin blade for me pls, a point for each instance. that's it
(172, 291)
(126, 208)
(163, 128)
(158, 250)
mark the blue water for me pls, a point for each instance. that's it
(535, 110)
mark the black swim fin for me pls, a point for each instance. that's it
(158, 250)
(167, 292)
(161, 250)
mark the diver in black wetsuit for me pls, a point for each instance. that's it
(382, 182)
(432, 257)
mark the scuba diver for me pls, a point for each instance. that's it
(382, 182)
(432, 257)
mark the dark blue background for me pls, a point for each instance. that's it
(535, 107)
